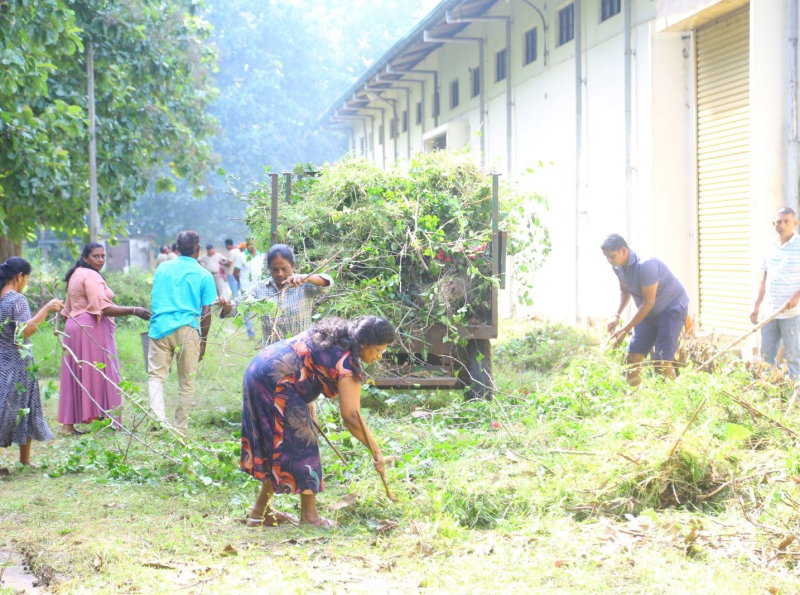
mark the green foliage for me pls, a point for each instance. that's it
(130, 289)
(512, 485)
(281, 65)
(546, 348)
(412, 244)
(152, 86)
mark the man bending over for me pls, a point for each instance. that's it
(662, 305)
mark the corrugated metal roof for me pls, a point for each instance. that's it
(408, 52)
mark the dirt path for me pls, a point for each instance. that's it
(14, 575)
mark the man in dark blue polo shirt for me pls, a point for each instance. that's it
(662, 305)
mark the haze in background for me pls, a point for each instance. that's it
(281, 65)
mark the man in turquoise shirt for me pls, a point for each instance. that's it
(183, 291)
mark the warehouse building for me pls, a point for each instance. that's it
(672, 122)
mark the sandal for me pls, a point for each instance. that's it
(323, 524)
(74, 432)
(280, 518)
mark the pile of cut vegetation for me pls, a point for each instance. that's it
(412, 243)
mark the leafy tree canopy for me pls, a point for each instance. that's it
(153, 85)
(281, 64)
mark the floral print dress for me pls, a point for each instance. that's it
(19, 387)
(278, 437)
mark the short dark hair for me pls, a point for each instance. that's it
(175, 245)
(209, 246)
(786, 211)
(188, 241)
(281, 250)
(229, 242)
(613, 243)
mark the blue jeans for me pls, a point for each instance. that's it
(248, 324)
(787, 329)
(234, 285)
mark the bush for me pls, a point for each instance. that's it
(412, 244)
(546, 348)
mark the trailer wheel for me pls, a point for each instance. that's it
(474, 369)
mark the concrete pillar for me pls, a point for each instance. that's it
(768, 122)
(673, 220)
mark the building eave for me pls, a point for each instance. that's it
(409, 51)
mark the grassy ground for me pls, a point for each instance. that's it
(563, 483)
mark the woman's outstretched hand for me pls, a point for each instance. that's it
(54, 305)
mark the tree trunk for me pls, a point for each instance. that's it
(9, 249)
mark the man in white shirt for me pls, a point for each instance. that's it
(233, 254)
(781, 285)
(248, 270)
(212, 261)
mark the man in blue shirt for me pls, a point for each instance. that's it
(662, 305)
(183, 291)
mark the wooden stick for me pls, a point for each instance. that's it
(691, 421)
(755, 329)
(795, 393)
(367, 437)
(753, 411)
(328, 440)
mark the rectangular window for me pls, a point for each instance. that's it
(436, 111)
(380, 134)
(500, 65)
(454, 94)
(419, 112)
(393, 128)
(530, 46)
(609, 8)
(405, 120)
(566, 24)
(476, 81)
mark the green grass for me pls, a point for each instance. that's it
(563, 483)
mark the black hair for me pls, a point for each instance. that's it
(209, 246)
(81, 263)
(174, 246)
(188, 241)
(613, 243)
(164, 249)
(12, 268)
(350, 335)
(281, 250)
(229, 242)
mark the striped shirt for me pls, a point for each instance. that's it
(782, 265)
(295, 305)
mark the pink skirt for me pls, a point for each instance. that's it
(85, 394)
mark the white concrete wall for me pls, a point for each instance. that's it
(673, 206)
(663, 175)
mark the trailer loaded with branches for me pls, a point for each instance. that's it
(423, 244)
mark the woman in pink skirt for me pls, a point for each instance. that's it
(89, 391)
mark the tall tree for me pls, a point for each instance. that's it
(153, 81)
(281, 64)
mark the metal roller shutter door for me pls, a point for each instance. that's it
(723, 172)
